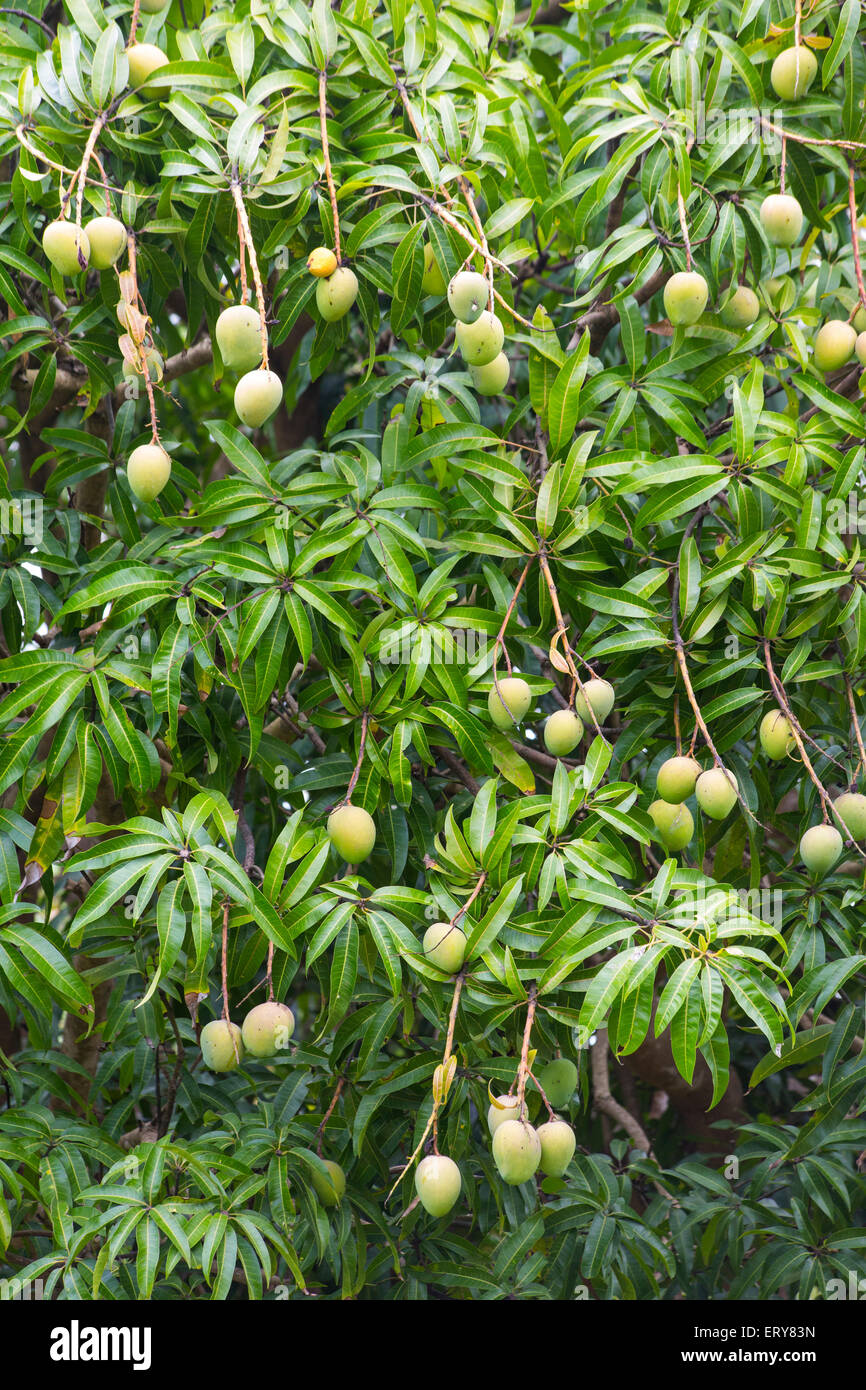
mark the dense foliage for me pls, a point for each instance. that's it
(324, 607)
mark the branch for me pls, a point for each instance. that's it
(782, 699)
(455, 765)
(523, 1069)
(320, 1132)
(684, 669)
(604, 1101)
(855, 238)
(326, 153)
(67, 383)
(254, 264)
(855, 723)
(600, 318)
(356, 771)
(23, 14)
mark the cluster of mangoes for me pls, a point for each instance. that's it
(716, 792)
(479, 332)
(352, 830)
(337, 289)
(510, 698)
(265, 1032)
(97, 245)
(677, 779)
(519, 1149)
(239, 339)
(686, 292)
(821, 845)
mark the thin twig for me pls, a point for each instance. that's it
(451, 221)
(34, 19)
(326, 154)
(254, 264)
(449, 1041)
(855, 236)
(810, 139)
(855, 724)
(523, 1068)
(500, 636)
(133, 23)
(684, 228)
(320, 1132)
(356, 771)
(85, 163)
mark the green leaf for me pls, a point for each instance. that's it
(406, 272)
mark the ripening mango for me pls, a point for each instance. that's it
(336, 293)
(438, 1183)
(850, 807)
(66, 246)
(674, 824)
(793, 72)
(506, 1108)
(685, 297)
(107, 237)
(558, 1143)
(742, 308)
(492, 378)
(257, 396)
(267, 1029)
(820, 848)
(675, 779)
(563, 731)
(432, 280)
(481, 341)
(775, 734)
(508, 704)
(468, 295)
(834, 345)
(329, 1190)
(558, 1081)
(516, 1151)
(597, 695)
(222, 1047)
(716, 792)
(445, 946)
(321, 261)
(148, 469)
(239, 337)
(144, 59)
(781, 219)
(352, 832)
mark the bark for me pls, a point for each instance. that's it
(653, 1064)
